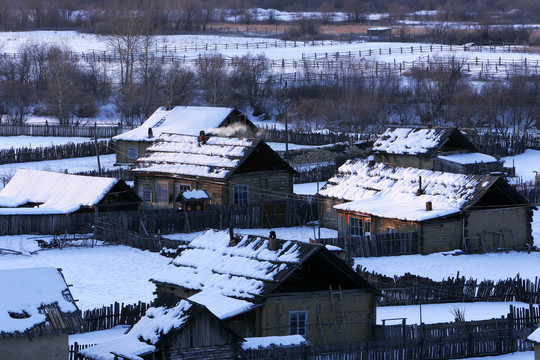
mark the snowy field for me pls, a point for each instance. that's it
(78, 42)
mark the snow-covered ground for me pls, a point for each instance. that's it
(525, 163)
(493, 266)
(307, 188)
(73, 165)
(441, 313)
(8, 142)
(100, 275)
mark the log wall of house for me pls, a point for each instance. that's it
(419, 162)
(329, 215)
(437, 236)
(122, 150)
(47, 346)
(490, 223)
(263, 186)
(324, 316)
(215, 188)
(201, 330)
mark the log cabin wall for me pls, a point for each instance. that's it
(122, 150)
(511, 223)
(324, 316)
(263, 186)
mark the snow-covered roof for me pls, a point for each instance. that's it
(56, 193)
(222, 306)
(412, 141)
(535, 336)
(188, 120)
(25, 294)
(143, 336)
(243, 271)
(195, 195)
(265, 342)
(218, 158)
(470, 158)
(391, 191)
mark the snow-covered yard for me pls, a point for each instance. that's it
(100, 275)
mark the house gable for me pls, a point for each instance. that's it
(263, 158)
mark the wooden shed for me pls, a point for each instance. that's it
(446, 211)
(181, 330)
(419, 147)
(380, 32)
(37, 313)
(189, 120)
(267, 287)
(229, 170)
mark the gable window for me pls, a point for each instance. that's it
(298, 322)
(147, 194)
(133, 152)
(162, 192)
(356, 226)
(184, 187)
(240, 194)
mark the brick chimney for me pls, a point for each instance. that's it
(272, 241)
(202, 138)
(429, 206)
(150, 133)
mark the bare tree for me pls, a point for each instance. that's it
(179, 85)
(211, 72)
(248, 81)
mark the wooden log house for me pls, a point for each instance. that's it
(230, 171)
(475, 213)
(267, 287)
(189, 120)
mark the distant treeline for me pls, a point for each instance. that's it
(186, 15)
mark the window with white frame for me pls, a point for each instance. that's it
(240, 194)
(133, 152)
(162, 192)
(356, 226)
(147, 194)
(298, 322)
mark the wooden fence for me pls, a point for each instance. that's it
(377, 245)
(412, 289)
(52, 224)
(128, 227)
(55, 152)
(113, 315)
(60, 130)
(311, 138)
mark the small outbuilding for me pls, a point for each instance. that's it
(46, 202)
(189, 120)
(266, 287)
(183, 330)
(380, 32)
(37, 313)
(420, 147)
